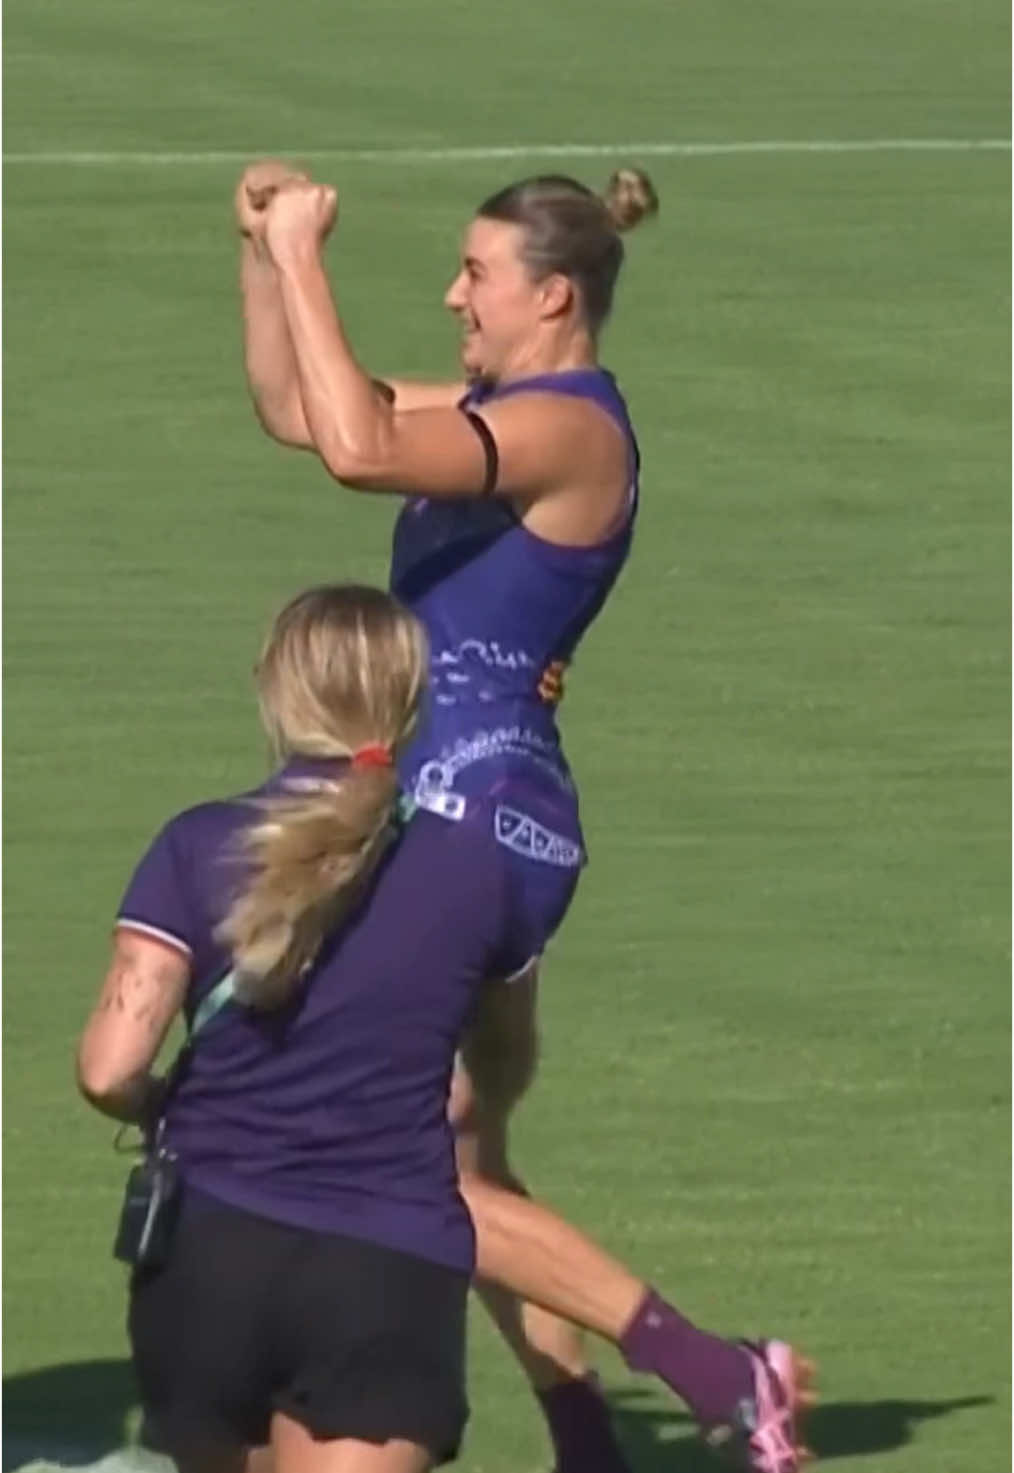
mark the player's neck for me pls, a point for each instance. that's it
(552, 355)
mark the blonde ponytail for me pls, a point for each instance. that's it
(309, 856)
(343, 669)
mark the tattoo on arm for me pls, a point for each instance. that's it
(143, 991)
(139, 991)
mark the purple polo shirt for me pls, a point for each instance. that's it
(330, 1114)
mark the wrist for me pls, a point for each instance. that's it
(296, 258)
(254, 248)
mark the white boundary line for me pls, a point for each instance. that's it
(397, 155)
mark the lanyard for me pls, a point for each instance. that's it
(211, 1004)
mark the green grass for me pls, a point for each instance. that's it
(776, 1061)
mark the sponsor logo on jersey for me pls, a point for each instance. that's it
(429, 793)
(522, 833)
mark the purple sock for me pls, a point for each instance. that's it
(711, 1375)
(579, 1424)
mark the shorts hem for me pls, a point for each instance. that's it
(377, 1426)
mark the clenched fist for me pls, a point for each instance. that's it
(299, 219)
(259, 184)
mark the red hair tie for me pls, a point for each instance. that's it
(375, 756)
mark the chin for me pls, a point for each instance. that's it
(472, 366)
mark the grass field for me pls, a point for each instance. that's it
(776, 1024)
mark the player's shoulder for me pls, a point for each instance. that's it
(541, 406)
(205, 825)
(587, 432)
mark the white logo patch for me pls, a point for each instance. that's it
(517, 831)
(440, 801)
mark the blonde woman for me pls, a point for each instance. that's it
(313, 1293)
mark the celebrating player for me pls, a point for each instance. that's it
(521, 484)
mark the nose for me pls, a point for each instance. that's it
(456, 296)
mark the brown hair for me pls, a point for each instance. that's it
(571, 230)
(343, 668)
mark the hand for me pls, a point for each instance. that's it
(299, 219)
(256, 189)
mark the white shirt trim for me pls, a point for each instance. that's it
(126, 923)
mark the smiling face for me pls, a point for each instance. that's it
(498, 304)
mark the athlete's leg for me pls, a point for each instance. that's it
(539, 1277)
(296, 1451)
(524, 1246)
(498, 1063)
(539, 1274)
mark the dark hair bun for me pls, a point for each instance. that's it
(630, 197)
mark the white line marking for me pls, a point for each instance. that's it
(396, 155)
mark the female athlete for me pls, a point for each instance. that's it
(521, 488)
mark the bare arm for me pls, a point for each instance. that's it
(270, 359)
(355, 430)
(268, 354)
(563, 453)
(407, 395)
(367, 442)
(267, 348)
(142, 993)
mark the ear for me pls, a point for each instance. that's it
(556, 295)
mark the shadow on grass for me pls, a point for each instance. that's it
(656, 1439)
(72, 1414)
(75, 1414)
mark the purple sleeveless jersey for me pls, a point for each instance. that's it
(501, 606)
(330, 1114)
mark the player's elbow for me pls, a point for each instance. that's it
(283, 422)
(99, 1076)
(285, 435)
(358, 467)
(290, 433)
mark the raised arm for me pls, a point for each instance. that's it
(408, 395)
(141, 995)
(267, 348)
(533, 448)
(268, 353)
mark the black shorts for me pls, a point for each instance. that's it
(249, 1317)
